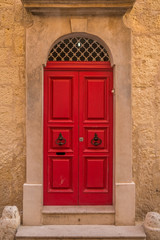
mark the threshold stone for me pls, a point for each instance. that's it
(80, 232)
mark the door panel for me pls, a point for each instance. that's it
(95, 97)
(103, 134)
(60, 98)
(60, 174)
(60, 131)
(53, 134)
(95, 174)
(95, 153)
(95, 94)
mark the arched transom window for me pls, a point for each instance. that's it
(78, 49)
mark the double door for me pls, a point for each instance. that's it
(78, 137)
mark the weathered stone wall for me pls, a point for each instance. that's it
(144, 20)
(13, 20)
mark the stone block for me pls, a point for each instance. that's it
(4, 56)
(6, 93)
(2, 37)
(9, 223)
(152, 226)
(79, 25)
(125, 204)
(7, 17)
(9, 75)
(19, 45)
(32, 204)
(8, 37)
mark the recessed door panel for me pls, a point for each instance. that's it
(61, 174)
(53, 138)
(95, 99)
(60, 98)
(95, 174)
(101, 133)
(78, 136)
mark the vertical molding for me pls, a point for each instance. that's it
(125, 204)
(32, 204)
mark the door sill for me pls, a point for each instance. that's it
(78, 215)
(78, 209)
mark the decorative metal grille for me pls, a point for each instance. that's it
(78, 49)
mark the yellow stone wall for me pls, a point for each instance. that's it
(13, 21)
(144, 21)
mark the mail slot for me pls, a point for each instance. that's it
(60, 153)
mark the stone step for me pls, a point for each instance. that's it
(78, 215)
(78, 232)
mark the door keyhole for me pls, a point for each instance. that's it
(81, 139)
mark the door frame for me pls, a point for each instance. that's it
(73, 66)
(36, 58)
(76, 66)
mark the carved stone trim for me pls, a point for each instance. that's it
(79, 7)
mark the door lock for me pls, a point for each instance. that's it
(81, 139)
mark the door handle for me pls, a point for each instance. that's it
(60, 140)
(96, 140)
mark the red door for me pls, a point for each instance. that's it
(78, 134)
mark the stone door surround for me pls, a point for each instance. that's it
(40, 38)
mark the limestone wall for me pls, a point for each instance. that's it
(144, 20)
(13, 20)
